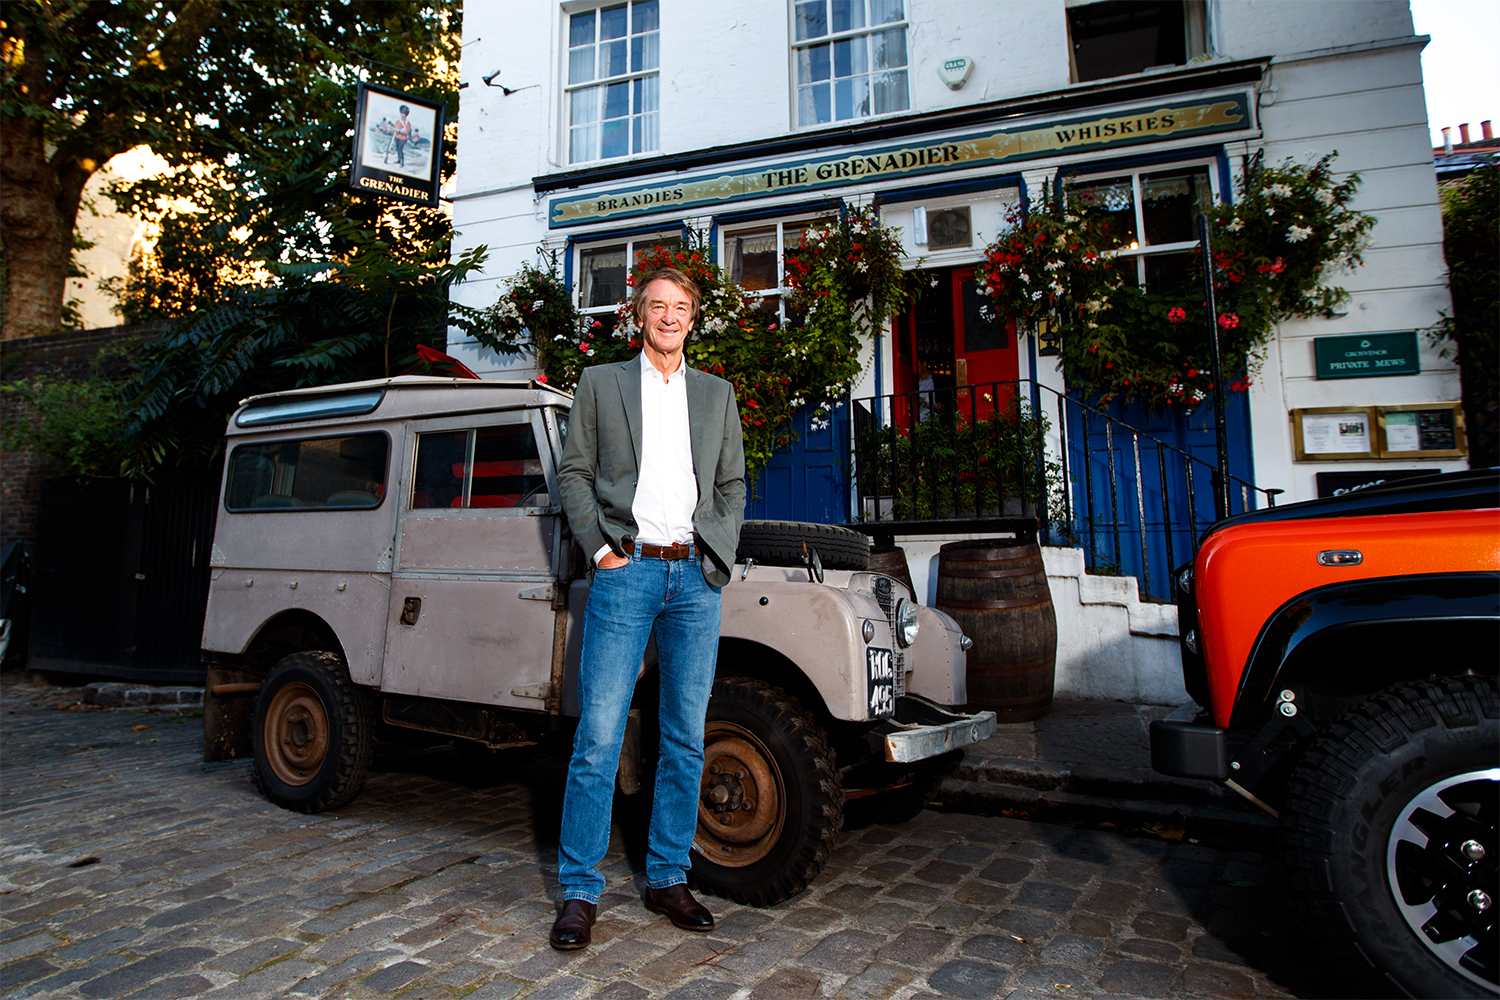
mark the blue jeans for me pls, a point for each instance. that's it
(624, 604)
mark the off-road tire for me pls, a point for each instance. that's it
(779, 543)
(1345, 848)
(787, 770)
(313, 733)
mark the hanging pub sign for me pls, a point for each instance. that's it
(995, 146)
(398, 145)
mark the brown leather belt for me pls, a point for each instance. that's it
(679, 550)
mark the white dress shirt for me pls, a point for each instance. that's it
(666, 492)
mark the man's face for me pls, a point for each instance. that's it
(667, 317)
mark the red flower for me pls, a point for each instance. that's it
(541, 378)
(1228, 321)
(1176, 315)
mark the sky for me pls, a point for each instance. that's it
(1459, 66)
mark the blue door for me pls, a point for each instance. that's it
(806, 481)
(1175, 501)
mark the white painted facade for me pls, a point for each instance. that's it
(1316, 76)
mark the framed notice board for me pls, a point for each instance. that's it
(1422, 430)
(1333, 433)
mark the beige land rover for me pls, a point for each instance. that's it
(393, 552)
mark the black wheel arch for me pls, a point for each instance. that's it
(1344, 642)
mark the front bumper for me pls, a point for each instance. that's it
(923, 729)
(1186, 744)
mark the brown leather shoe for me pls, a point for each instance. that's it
(678, 905)
(573, 928)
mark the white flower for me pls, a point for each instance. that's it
(1347, 224)
(1035, 296)
(1279, 190)
(1324, 196)
(1070, 218)
(1053, 265)
(1024, 277)
(1056, 288)
(1236, 225)
(1297, 234)
(1061, 242)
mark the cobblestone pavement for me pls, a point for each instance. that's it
(128, 868)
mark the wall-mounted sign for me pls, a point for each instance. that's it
(398, 145)
(992, 147)
(1337, 484)
(1367, 355)
(1422, 430)
(955, 72)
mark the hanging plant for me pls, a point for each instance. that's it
(535, 312)
(846, 276)
(1274, 252)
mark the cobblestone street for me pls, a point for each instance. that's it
(128, 868)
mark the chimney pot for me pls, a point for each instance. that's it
(1463, 132)
(1485, 130)
(1447, 139)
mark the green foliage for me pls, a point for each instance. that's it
(74, 425)
(945, 465)
(1471, 246)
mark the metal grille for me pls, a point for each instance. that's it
(886, 597)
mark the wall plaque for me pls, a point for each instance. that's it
(1367, 355)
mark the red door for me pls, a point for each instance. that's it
(951, 336)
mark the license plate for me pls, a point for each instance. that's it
(880, 670)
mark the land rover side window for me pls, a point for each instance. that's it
(336, 473)
(485, 468)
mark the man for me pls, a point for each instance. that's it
(653, 483)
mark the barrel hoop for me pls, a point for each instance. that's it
(1020, 602)
(988, 574)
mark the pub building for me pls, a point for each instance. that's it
(625, 124)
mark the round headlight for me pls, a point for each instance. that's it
(906, 622)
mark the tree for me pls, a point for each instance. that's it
(1471, 246)
(204, 83)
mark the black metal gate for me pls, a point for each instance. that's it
(121, 578)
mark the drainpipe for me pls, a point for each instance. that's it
(1221, 430)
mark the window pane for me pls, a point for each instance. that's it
(848, 14)
(507, 469)
(851, 98)
(1126, 36)
(813, 64)
(1114, 203)
(439, 479)
(585, 107)
(813, 105)
(616, 101)
(581, 65)
(644, 16)
(885, 11)
(583, 144)
(644, 52)
(581, 29)
(647, 91)
(752, 258)
(1171, 204)
(345, 472)
(612, 22)
(1169, 272)
(850, 57)
(812, 19)
(890, 48)
(890, 92)
(614, 138)
(612, 59)
(601, 279)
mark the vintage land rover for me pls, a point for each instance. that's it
(392, 554)
(1342, 658)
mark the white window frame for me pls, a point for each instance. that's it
(727, 233)
(838, 36)
(630, 77)
(632, 245)
(1137, 251)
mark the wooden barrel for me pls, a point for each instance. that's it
(997, 591)
(891, 560)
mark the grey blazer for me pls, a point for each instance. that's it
(601, 462)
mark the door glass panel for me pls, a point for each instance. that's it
(984, 330)
(439, 479)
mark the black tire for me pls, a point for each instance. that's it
(779, 543)
(1372, 854)
(771, 806)
(313, 734)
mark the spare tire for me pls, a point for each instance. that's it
(779, 543)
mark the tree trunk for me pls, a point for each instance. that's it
(36, 228)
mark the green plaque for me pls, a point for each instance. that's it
(1367, 355)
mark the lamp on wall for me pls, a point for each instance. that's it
(1048, 339)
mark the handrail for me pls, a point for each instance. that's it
(993, 449)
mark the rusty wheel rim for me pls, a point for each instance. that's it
(741, 800)
(296, 735)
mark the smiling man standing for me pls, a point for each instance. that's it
(653, 483)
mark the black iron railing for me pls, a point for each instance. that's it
(1135, 504)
